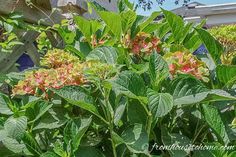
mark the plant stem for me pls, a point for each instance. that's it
(110, 119)
(112, 142)
(200, 130)
(149, 124)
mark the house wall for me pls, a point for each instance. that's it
(221, 19)
(215, 14)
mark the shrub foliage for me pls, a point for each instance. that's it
(122, 85)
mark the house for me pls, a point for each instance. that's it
(80, 6)
(217, 14)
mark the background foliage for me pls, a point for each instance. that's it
(121, 84)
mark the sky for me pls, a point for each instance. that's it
(169, 4)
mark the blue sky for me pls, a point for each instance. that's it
(169, 4)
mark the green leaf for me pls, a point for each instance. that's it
(192, 41)
(84, 26)
(170, 139)
(31, 144)
(4, 109)
(16, 127)
(226, 73)
(75, 51)
(127, 19)
(150, 19)
(158, 69)
(125, 4)
(74, 131)
(163, 29)
(209, 96)
(89, 152)
(212, 45)
(212, 117)
(59, 150)
(54, 118)
(136, 139)
(68, 36)
(232, 154)
(152, 27)
(187, 29)
(113, 21)
(104, 54)
(120, 110)
(94, 26)
(38, 110)
(184, 85)
(134, 108)
(176, 24)
(130, 84)
(88, 28)
(13, 145)
(189, 90)
(159, 104)
(49, 154)
(78, 96)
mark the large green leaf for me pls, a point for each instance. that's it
(188, 90)
(37, 110)
(226, 73)
(163, 29)
(120, 110)
(192, 41)
(171, 139)
(31, 144)
(188, 27)
(87, 27)
(16, 127)
(186, 85)
(212, 45)
(127, 19)
(159, 104)
(104, 54)
(13, 145)
(74, 131)
(124, 5)
(113, 21)
(136, 139)
(4, 109)
(152, 27)
(54, 118)
(134, 108)
(158, 69)
(209, 96)
(78, 96)
(176, 24)
(149, 20)
(130, 84)
(212, 117)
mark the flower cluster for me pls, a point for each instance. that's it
(64, 69)
(44, 79)
(56, 58)
(97, 69)
(186, 63)
(143, 43)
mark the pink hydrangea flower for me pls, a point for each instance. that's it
(186, 63)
